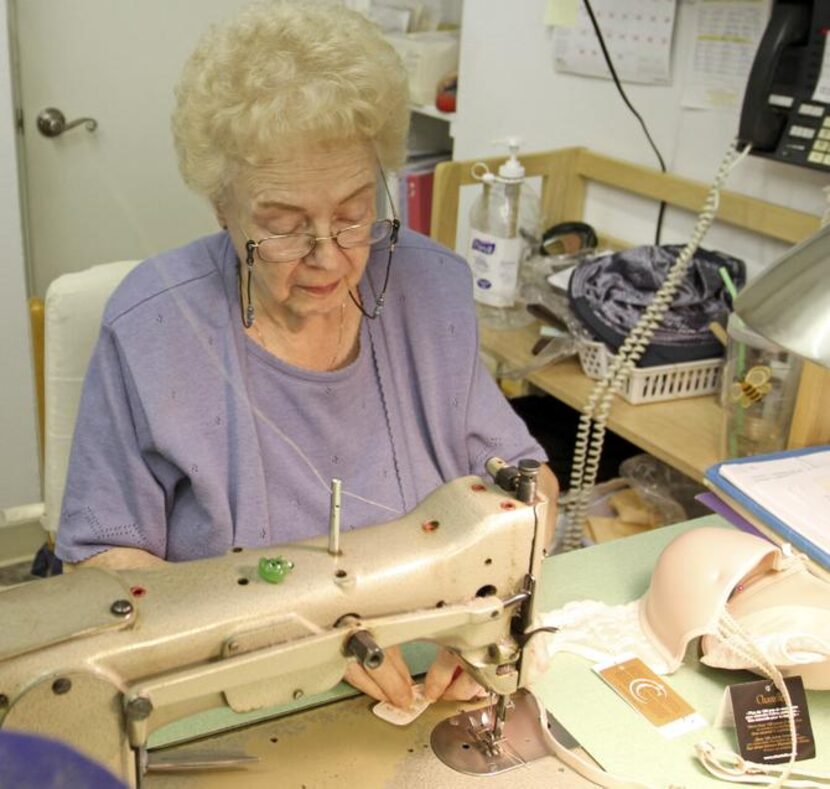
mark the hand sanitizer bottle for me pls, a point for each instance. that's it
(504, 230)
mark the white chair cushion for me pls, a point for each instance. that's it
(73, 309)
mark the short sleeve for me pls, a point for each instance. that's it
(493, 427)
(112, 497)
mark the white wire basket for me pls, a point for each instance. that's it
(654, 384)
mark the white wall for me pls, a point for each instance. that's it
(19, 473)
(508, 85)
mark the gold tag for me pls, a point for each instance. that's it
(647, 693)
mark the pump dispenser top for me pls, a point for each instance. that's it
(512, 169)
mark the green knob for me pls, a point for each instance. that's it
(275, 570)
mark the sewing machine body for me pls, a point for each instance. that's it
(102, 659)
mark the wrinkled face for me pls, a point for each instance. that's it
(314, 190)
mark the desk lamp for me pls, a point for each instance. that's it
(790, 302)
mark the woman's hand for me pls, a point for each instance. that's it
(446, 679)
(391, 681)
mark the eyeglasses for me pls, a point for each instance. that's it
(293, 246)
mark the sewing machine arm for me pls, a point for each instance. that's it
(102, 659)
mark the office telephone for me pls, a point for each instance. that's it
(786, 108)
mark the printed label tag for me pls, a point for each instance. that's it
(392, 714)
(495, 265)
(762, 724)
(647, 693)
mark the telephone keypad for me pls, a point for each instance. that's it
(814, 110)
(805, 132)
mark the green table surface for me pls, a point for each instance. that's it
(619, 738)
(616, 736)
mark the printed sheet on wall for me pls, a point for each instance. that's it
(727, 33)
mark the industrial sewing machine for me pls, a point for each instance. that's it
(102, 659)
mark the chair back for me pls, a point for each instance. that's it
(73, 309)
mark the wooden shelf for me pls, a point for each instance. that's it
(683, 433)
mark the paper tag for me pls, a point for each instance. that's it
(392, 714)
(761, 721)
(647, 693)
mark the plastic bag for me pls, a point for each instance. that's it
(671, 492)
(557, 349)
(532, 293)
(663, 496)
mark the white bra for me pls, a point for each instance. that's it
(700, 574)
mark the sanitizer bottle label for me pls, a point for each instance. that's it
(495, 265)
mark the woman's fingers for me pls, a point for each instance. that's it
(464, 688)
(447, 680)
(440, 675)
(357, 677)
(390, 682)
(395, 656)
(398, 690)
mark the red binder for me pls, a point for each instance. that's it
(419, 200)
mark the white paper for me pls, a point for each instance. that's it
(725, 718)
(399, 717)
(796, 490)
(822, 91)
(727, 34)
(692, 722)
(638, 34)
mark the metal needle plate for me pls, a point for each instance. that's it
(458, 741)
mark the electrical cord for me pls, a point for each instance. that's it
(528, 636)
(589, 770)
(718, 763)
(607, 55)
(726, 765)
(594, 417)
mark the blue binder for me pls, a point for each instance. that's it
(761, 514)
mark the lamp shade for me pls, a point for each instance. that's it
(790, 302)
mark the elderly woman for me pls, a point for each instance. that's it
(236, 376)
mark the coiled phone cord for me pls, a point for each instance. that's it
(594, 417)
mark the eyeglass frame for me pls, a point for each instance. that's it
(252, 246)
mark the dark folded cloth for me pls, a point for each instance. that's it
(609, 294)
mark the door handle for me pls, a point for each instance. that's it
(52, 122)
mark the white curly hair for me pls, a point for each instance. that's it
(281, 74)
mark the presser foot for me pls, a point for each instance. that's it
(472, 742)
